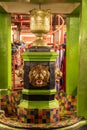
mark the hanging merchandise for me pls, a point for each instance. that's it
(63, 67)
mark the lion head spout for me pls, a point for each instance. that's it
(39, 75)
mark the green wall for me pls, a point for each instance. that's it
(72, 54)
(82, 87)
(5, 52)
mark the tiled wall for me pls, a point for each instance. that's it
(9, 103)
(67, 104)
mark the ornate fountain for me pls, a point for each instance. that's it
(38, 109)
(38, 104)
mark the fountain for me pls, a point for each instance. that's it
(38, 104)
(38, 108)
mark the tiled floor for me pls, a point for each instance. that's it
(67, 122)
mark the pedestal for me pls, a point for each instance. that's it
(38, 104)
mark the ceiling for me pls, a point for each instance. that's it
(24, 6)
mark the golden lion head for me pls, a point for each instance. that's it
(39, 75)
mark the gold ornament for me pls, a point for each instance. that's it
(39, 25)
(39, 75)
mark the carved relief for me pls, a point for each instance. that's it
(39, 75)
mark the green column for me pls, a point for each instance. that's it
(5, 53)
(72, 54)
(82, 88)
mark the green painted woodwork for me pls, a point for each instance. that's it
(39, 104)
(76, 11)
(2, 10)
(82, 87)
(72, 55)
(8, 0)
(5, 52)
(4, 92)
(37, 92)
(72, 1)
(39, 56)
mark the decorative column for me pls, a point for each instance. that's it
(38, 104)
(5, 53)
(72, 63)
(82, 86)
(39, 88)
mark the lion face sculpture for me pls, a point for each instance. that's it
(39, 75)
